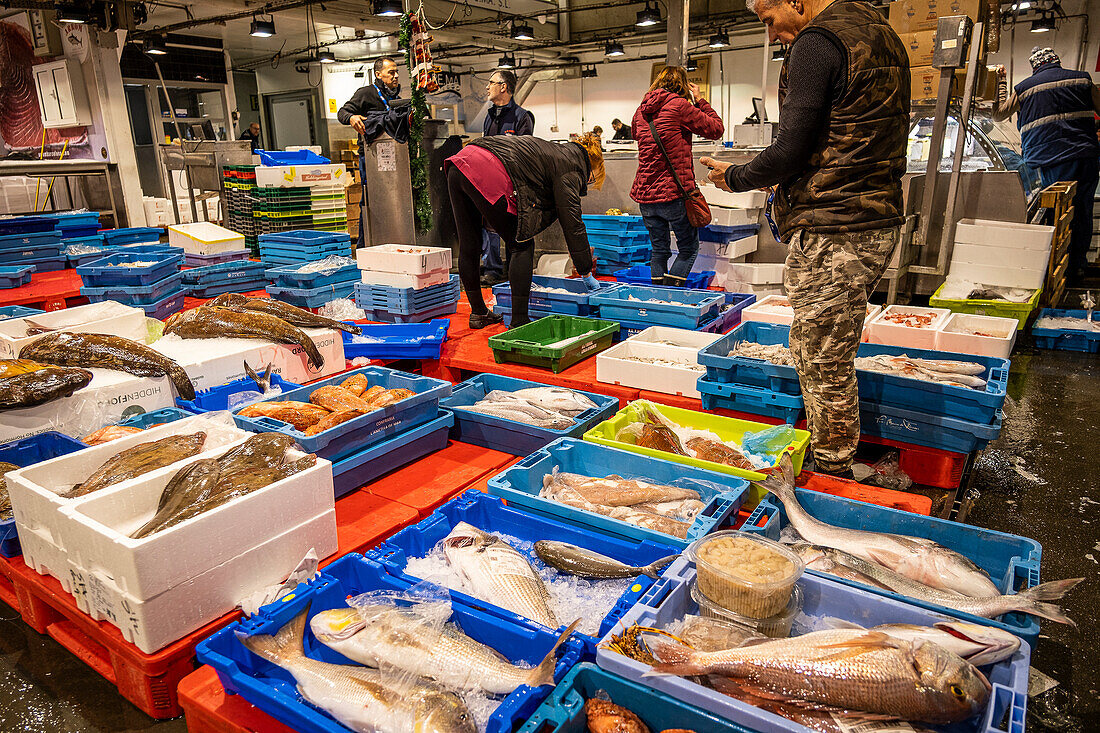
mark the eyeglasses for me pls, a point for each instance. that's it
(491, 83)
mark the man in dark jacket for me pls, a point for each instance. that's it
(622, 132)
(1057, 111)
(252, 134)
(837, 164)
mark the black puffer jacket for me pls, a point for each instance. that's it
(549, 179)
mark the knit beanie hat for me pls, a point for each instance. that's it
(1040, 56)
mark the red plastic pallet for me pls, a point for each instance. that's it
(208, 708)
(364, 519)
(915, 503)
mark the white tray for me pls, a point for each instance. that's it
(397, 280)
(998, 344)
(1008, 277)
(1004, 234)
(757, 312)
(205, 238)
(981, 254)
(880, 331)
(403, 259)
(746, 200)
(109, 317)
(723, 217)
(763, 273)
(612, 368)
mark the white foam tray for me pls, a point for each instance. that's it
(756, 312)
(404, 259)
(762, 273)
(981, 254)
(397, 280)
(612, 368)
(681, 338)
(880, 331)
(1004, 234)
(746, 200)
(724, 217)
(108, 317)
(205, 238)
(1008, 277)
(998, 344)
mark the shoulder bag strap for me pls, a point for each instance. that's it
(668, 161)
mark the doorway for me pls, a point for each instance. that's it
(292, 118)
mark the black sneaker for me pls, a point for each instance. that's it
(490, 279)
(485, 319)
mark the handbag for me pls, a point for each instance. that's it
(698, 210)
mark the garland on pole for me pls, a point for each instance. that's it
(415, 43)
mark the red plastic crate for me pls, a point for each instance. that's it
(902, 500)
(926, 466)
(208, 708)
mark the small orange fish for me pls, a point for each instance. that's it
(336, 399)
(605, 716)
(302, 415)
(389, 397)
(715, 452)
(109, 433)
(357, 384)
(334, 419)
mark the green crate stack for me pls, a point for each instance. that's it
(239, 182)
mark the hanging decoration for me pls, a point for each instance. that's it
(415, 41)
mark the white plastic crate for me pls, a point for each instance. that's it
(956, 335)
(1014, 257)
(882, 331)
(772, 309)
(757, 273)
(417, 282)
(744, 200)
(614, 366)
(295, 176)
(723, 217)
(108, 317)
(403, 259)
(1004, 234)
(205, 238)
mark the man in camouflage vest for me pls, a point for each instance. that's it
(837, 165)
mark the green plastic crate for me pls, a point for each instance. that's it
(727, 428)
(979, 307)
(530, 344)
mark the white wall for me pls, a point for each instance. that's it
(1066, 41)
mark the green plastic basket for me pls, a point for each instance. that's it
(531, 343)
(727, 428)
(979, 307)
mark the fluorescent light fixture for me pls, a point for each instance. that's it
(1043, 23)
(507, 61)
(613, 48)
(779, 54)
(326, 57)
(388, 8)
(649, 15)
(262, 28)
(73, 13)
(157, 45)
(523, 32)
(721, 39)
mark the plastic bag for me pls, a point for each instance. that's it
(75, 250)
(327, 266)
(888, 474)
(770, 440)
(342, 309)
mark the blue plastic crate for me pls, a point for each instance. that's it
(132, 235)
(193, 260)
(532, 314)
(81, 260)
(509, 436)
(171, 303)
(874, 388)
(150, 249)
(640, 275)
(224, 272)
(669, 600)
(628, 254)
(290, 157)
(384, 316)
(52, 263)
(1063, 338)
(519, 485)
(13, 277)
(358, 469)
(311, 297)
(25, 225)
(147, 420)
(489, 514)
(730, 315)
(397, 341)
(305, 237)
(1011, 561)
(25, 241)
(27, 452)
(927, 429)
(137, 295)
(294, 253)
(682, 308)
(248, 286)
(273, 690)
(290, 276)
(753, 400)
(611, 223)
(79, 231)
(219, 398)
(105, 272)
(725, 235)
(18, 311)
(30, 253)
(620, 241)
(563, 711)
(406, 301)
(346, 438)
(73, 218)
(573, 303)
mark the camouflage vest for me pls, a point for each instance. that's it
(852, 180)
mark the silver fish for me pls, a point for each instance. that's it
(383, 634)
(636, 515)
(617, 491)
(515, 412)
(921, 559)
(558, 399)
(496, 572)
(589, 564)
(360, 698)
(977, 644)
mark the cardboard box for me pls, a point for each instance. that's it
(925, 83)
(109, 317)
(919, 45)
(910, 16)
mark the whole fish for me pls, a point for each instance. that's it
(262, 450)
(389, 397)
(285, 311)
(357, 384)
(246, 480)
(817, 559)
(684, 510)
(590, 564)
(517, 413)
(921, 559)
(858, 670)
(107, 352)
(648, 520)
(715, 452)
(5, 499)
(263, 381)
(13, 367)
(1026, 601)
(378, 635)
(617, 491)
(977, 644)
(192, 484)
(556, 399)
(333, 419)
(139, 459)
(299, 414)
(206, 322)
(660, 431)
(362, 699)
(109, 433)
(39, 387)
(496, 572)
(337, 399)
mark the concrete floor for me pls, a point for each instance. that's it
(1052, 417)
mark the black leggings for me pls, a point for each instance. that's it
(471, 210)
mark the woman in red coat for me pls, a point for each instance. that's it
(677, 110)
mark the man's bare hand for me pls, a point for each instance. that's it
(358, 125)
(717, 174)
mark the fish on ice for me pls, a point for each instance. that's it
(585, 563)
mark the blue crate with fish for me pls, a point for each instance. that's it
(670, 599)
(25, 225)
(127, 268)
(233, 394)
(26, 241)
(222, 273)
(624, 223)
(658, 306)
(53, 263)
(603, 602)
(146, 420)
(23, 453)
(132, 235)
(1012, 562)
(65, 220)
(397, 341)
(311, 276)
(212, 291)
(13, 277)
(564, 711)
(1068, 339)
(931, 430)
(18, 311)
(30, 254)
(347, 437)
(359, 469)
(522, 486)
(274, 690)
(81, 254)
(640, 275)
(274, 256)
(977, 404)
(170, 304)
(194, 260)
(730, 314)
(382, 315)
(136, 295)
(150, 249)
(311, 297)
(406, 301)
(562, 413)
(568, 296)
(750, 399)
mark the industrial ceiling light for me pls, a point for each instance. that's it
(1023, 5)
(779, 54)
(73, 13)
(507, 61)
(721, 39)
(388, 8)
(613, 48)
(1043, 23)
(156, 45)
(647, 16)
(523, 32)
(691, 65)
(326, 57)
(262, 28)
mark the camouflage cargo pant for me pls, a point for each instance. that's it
(828, 279)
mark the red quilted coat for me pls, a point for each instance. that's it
(676, 119)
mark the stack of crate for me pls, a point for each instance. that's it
(239, 181)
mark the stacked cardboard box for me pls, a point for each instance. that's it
(915, 22)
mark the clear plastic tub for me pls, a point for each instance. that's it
(777, 627)
(725, 563)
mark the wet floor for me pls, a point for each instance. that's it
(1038, 480)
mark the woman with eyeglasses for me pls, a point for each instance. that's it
(518, 185)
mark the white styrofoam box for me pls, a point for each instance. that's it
(957, 335)
(155, 205)
(772, 309)
(614, 366)
(676, 338)
(35, 491)
(152, 624)
(731, 251)
(403, 259)
(43, 556)
(216, 361)
(204, 238)
(723, 217)
(1008, 277)
(720, 265)
(744, 200)
(291, 363)
(981, 254)
(110, 397)
(882, 331)
(159, 219)
(758, 273)
(554, 265)
(417, 282)
(290, 176)
(1004, 234)
(109, 317)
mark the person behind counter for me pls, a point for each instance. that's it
(493, 179)
(838, 163)
(622, 132)
(252, 134)
(676, 109)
